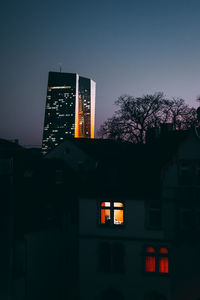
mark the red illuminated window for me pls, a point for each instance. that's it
(150, 263)
(112, 213)
(156, 260)
(163, 261)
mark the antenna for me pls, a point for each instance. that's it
(60, 67)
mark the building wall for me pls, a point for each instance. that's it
(181, 218)
(134, 220)
(46, 253)
(133, 283)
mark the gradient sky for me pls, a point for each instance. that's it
(128, 47)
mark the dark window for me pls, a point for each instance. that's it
(59, 176)
(156, 260)
(187, 219)
(19, 259)
(111, 257)
(111, 294)
(104, 257)
(112, 213)
(198, 173)
(185, 173)
(154, 296)
(154, 217)
(198, 220)
(118, 258)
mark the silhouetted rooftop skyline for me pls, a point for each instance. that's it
(127, 47)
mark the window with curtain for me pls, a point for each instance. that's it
(156, 260)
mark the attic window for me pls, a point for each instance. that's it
(111, 213)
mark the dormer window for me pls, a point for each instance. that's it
(111, 213)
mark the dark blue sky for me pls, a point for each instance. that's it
(128, 47)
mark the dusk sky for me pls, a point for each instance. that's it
(128, 47)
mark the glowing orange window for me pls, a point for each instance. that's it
(150, 260)
(163, 261)
(105, 213)
(118, 213)
(112, 213)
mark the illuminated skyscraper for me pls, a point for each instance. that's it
(70, 109)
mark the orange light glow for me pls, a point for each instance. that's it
(84, 121)
(118, 216)
(76, 132)
(105, 204)
(92, 110)
(112, 213)
(150, 264)
(163, 265)
(118, 204)
(105, 216)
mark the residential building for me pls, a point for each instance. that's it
(112, 220)
(138, 208)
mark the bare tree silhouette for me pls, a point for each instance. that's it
(135, 115)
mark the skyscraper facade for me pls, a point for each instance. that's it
(70, 109)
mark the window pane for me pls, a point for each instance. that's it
(105, 204)
(185, 173)
(118, 216)
(150, 250)
(187, 219)
(155, 218)
(150, 264)
(163, 265)
(104, 259)
(118, 204)
(163, 250)
(118, 257)
(105, 216)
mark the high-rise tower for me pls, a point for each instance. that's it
(70, 109)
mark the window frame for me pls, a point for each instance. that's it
(112, 259)
(185, 172)
(150, 207)
(112, 208)
(157, 256)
